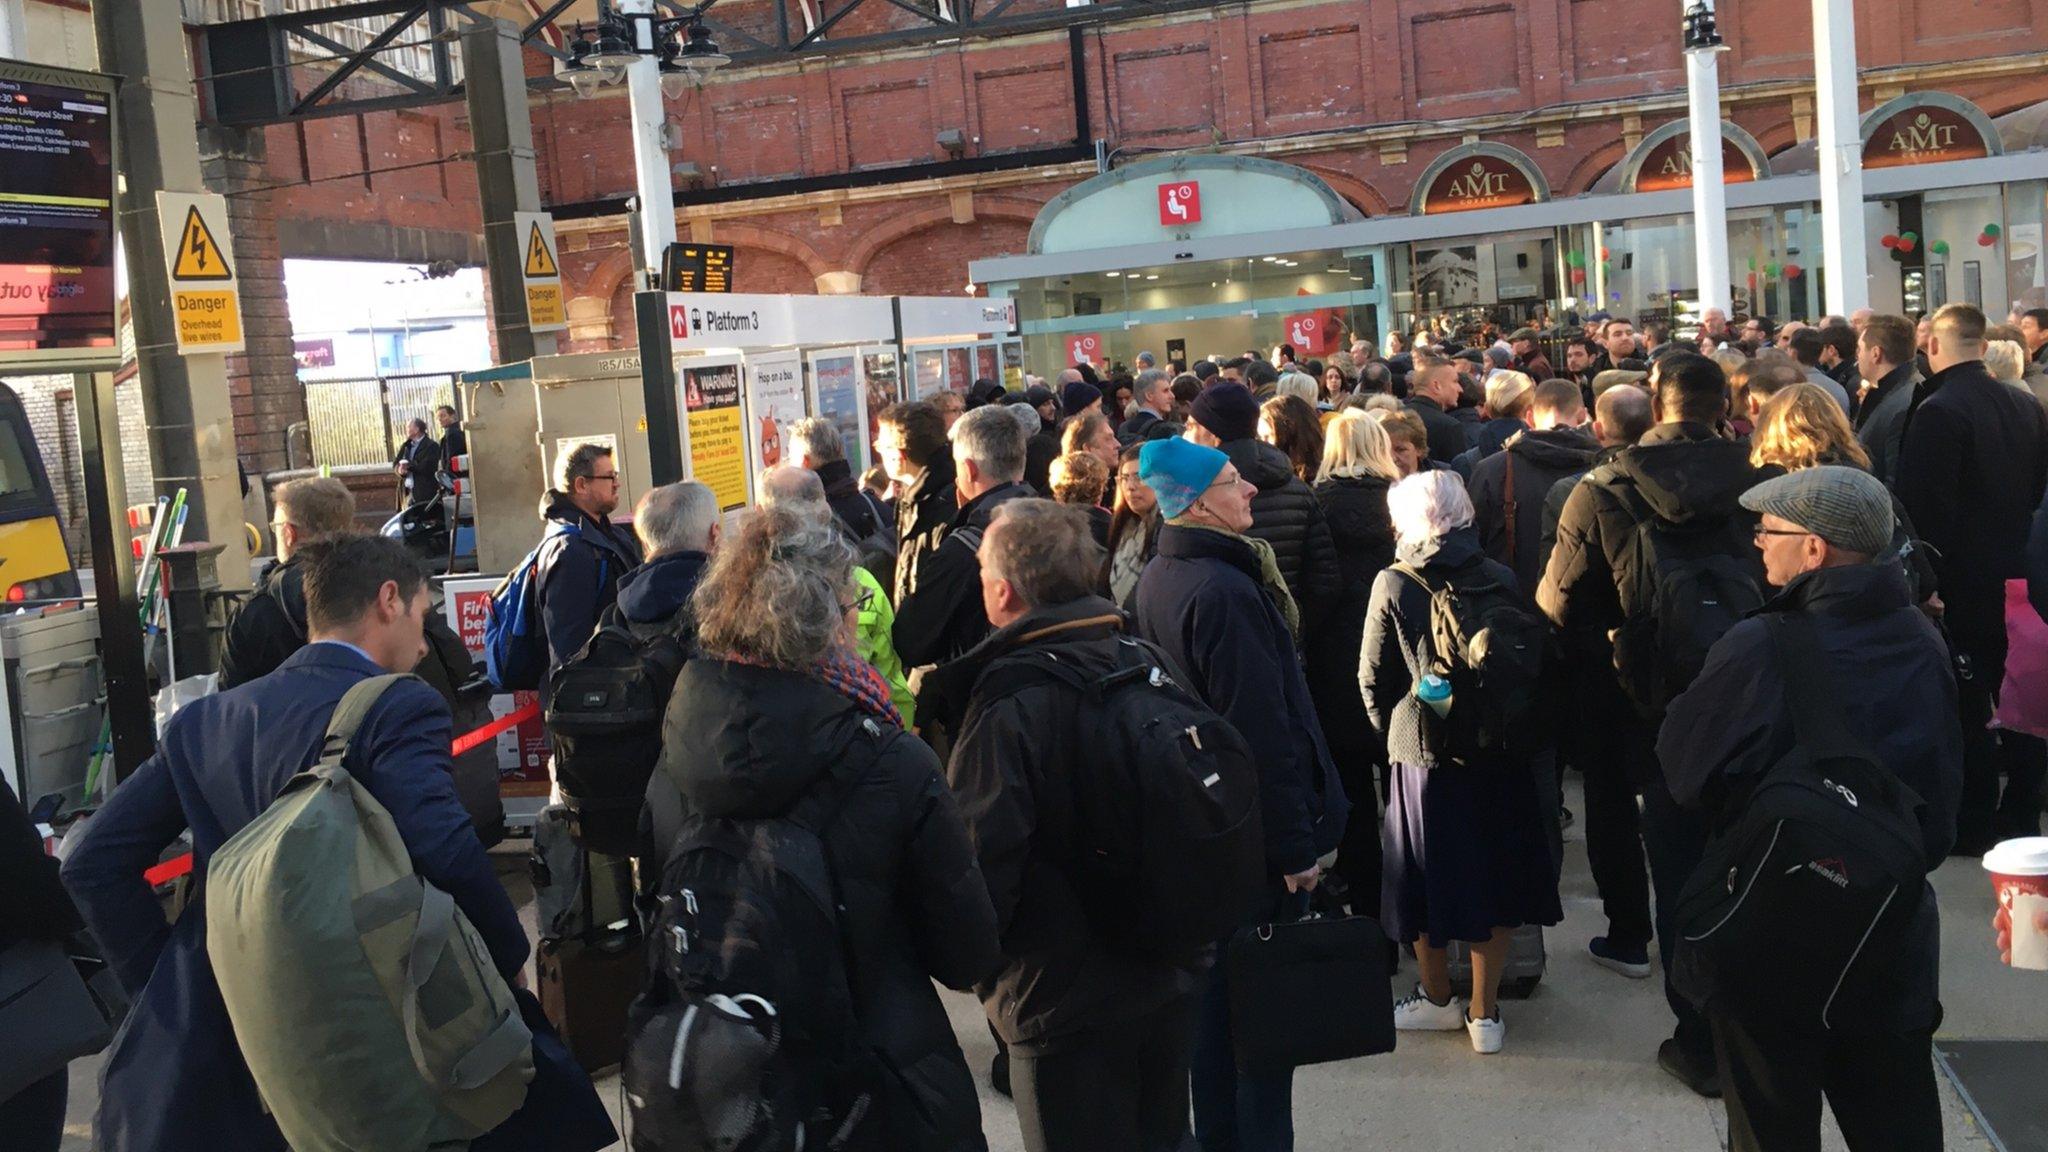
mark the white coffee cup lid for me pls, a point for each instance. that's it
(2026, 856)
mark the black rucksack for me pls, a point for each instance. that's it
(1820, 863)
(875, 549)
(1171, 853)
(746, 1036)
(1491, 645)
(603, 709)
(1693, 582)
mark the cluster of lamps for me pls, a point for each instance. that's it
(602, 53)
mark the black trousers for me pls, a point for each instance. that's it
(1610, 751)
(2026, 765)
(1125, 1088)
(1975, 619)
(1675, 839)
(33, 1118)
(1881, 1088)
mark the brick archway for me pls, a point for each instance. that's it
(1592, 166)
(1363, 196)
(875, 240)
(617, 266)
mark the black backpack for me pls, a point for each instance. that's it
(603, 709)
(1171, 854)
(746, 1036)
(1693, 582)
(1820, 863)
(1491, 645)
(874, 550)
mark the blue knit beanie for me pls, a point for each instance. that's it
(1178, 472)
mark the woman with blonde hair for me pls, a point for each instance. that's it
(1802, 426)
(1357, 468)
(777, 715)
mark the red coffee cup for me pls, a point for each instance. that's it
(2019, 878)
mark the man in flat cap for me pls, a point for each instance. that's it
(1840, 645)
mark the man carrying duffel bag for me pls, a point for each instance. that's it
(400, 1029)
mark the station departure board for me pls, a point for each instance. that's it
(56, 214)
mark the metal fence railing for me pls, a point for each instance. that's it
(362, 421)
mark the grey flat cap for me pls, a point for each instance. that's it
(1847, 507)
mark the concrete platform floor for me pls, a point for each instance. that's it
(1579, 1069)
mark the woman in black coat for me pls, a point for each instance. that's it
(1466, 852)
(1133, 532)
(33, 907)
(760, 720)
(1351, 486)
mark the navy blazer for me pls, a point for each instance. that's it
(175, 1078)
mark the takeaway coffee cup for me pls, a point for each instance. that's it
(2019, 877)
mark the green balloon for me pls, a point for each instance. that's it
(1575, 258)
(1913, 236)
(1940, 247)
(1992, 230)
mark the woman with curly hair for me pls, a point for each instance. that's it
(1292, 425)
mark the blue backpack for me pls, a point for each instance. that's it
(515, 640)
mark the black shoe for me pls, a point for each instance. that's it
(1705, 1081)
(999, 1074)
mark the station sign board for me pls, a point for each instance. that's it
(540, 271)
(206, 299)
(56, 216)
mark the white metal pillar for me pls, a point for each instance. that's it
(1843, 256)
(655, 188)
(1709, 195)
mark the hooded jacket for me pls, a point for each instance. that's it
(657, 590)
(1679, 472)
(1894, 684)
(1486, 440)
(748, 742)
(861, 515)
(1287, 515)
(1200, 600)
(578, 575)
(1013, 770)
(943, 617)
(1508, 490)
(1881, 420)
(924, 510)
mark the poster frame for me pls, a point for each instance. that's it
(684, 365)
(858, 455)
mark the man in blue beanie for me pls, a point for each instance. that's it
(1285, 513)
(1214, 601)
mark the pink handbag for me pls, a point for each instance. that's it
(2023, 702)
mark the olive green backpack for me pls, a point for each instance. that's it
(367, 1008)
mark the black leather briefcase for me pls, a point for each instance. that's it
(1309, 992)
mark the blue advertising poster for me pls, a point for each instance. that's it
(835, 380)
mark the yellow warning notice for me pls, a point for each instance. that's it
(544, 305)
(206, 318)
(539, 261)
(199, 255)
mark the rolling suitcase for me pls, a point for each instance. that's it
(1525, 964)
(585, 987)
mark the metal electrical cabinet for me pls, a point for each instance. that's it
(55, 700)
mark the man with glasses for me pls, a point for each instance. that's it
(579, 570)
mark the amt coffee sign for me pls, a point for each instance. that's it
(708, 320)
(1923, 134)
(1479, 176)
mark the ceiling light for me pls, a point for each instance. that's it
(700, 52)
(675, 80)
(1112, 275)
(611, 53)
(1154, 276)
(1336, 270)
(584, 79)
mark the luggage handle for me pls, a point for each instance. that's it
(506, 1040)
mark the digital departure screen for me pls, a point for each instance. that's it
(56, 214)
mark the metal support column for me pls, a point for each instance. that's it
(1703, 50)
(113, 572)
(668, 432)
(1843, 259)
(184, 398)
(656, 188)
(507, 179)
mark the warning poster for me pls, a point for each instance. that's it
(205, 295)
(718, 449)
(523, 751)
(540, 272)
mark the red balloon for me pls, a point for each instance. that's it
(1578, 275)
(1986, 241)
(1793, 270)
(1889, 241)
(1906, 245)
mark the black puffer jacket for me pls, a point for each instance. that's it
(1287, 515)
(861, 515)
(1521, 474)
(1013, 769)
(1363, 534)
(1397, 642)
(923, 513)
(748, 742)
(1682, 472)
(943, 617)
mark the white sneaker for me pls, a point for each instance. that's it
(1418, 1013)
(1488, 1034)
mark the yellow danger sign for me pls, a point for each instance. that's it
(206, 302)
(540, 261)
(540, 271)
(198, 256)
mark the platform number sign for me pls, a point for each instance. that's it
(540, 272)
(1180, 203)
(206, 302)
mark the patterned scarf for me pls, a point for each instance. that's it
(856, 679)
(1270, 578)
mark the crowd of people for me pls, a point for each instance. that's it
(1409, 586)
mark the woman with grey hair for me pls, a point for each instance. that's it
(1466, 855)
(777, 714)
